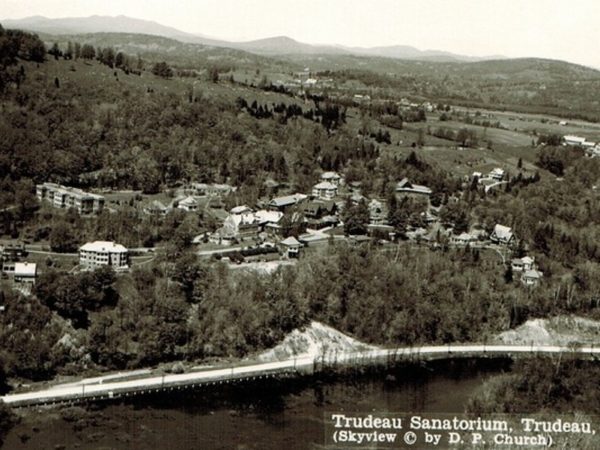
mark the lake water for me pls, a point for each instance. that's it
(271, 415)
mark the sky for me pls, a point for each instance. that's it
(558, 29)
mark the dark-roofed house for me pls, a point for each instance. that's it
(319, 214)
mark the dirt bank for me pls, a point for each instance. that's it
(561, 330)
(313, 340)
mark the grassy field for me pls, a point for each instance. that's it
(542, 124)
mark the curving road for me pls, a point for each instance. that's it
(304, 364)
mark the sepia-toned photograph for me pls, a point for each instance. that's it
(320, 225)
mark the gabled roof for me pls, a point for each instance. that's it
(533, 274)
(404, 183)
(291, 242)
(189, 200)
(406, 186)
(288, 200)
(312, 207)
(503, 232)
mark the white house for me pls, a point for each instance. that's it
(25, 272)
(573, 140)
(103, 253)
(189, 204)
(463, 239)
(522, 264)
(502, 235)
(324, 190)
(290, 247)
(238, 227)
(497, 174)
(531, 277)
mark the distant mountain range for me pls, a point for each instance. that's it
(280, 45)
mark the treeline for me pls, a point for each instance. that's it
(105, 55)
(465, 137)
(331, 116)
(389, 111)
(17, 45)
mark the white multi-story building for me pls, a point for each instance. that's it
(67, 197)
(324, 190)
(103, 253)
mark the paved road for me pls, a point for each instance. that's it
(307, 364)
(219, 250)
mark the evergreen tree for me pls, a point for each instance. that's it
(55, 51)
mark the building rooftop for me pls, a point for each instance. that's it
(325, 185)
(264, 216)
(25, 269)
(330, 176)
(288, 200)
(240, 209)
(533, 274)
(291, 242)
(70, 190)
(188, 201)
(503, 232)
(406, 186)
(103, 246)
